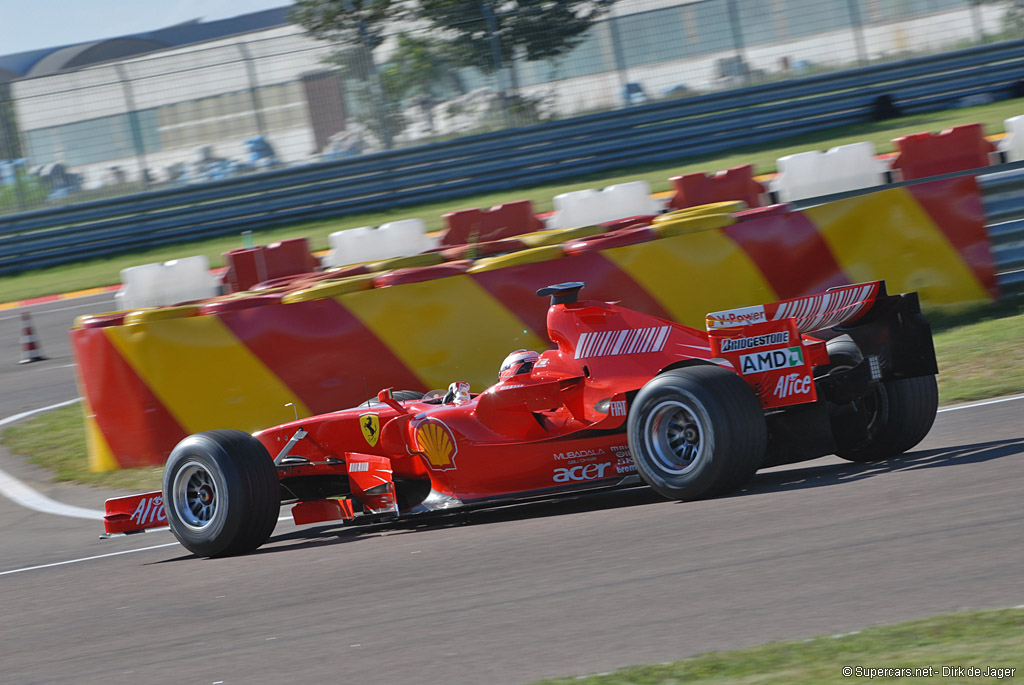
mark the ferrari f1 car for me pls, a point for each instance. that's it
(624, 398)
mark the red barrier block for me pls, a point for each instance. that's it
(482, 225)
(248, 266)
(619, 238)
(757, 212)
(697, 189)
(628, 222)
(244, 302)
(929, 154)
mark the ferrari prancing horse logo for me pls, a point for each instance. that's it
(370, 425)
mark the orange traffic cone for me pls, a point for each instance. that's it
(30, 351)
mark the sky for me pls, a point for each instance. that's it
(33, 24)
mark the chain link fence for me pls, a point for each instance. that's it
(277, 97)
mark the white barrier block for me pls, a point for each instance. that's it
(166, 283)
(588, 207)
(368, 243)
(817, 173)
(1013, 143)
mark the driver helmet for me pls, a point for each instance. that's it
(520, 361)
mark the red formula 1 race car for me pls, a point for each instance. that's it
(623, 398)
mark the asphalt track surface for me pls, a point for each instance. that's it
(514, 594)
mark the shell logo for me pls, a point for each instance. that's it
(436, 442)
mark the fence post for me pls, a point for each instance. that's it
(737, 38)
(495, 42)
(254, 94)
(133, 123)
(857, 26)
(620, 57)
(10, 150)
(979, 27)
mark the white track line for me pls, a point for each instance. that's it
(982, 404)
(75, 561)
(55, 309)
(22, 494)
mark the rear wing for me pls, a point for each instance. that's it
(769, 347)
(834, 307)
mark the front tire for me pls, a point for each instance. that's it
(221, 493)
(696, 432)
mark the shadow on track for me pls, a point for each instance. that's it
(835, 474)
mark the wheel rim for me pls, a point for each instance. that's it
(675, 437)
(194, 496)
(876, 407)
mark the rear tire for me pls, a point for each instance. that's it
(900, 413)
(843, 354)
(221, 493)
(696, 432)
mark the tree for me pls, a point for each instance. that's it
(488, 35)
(422, 67)
(422, 73)
(356, 28)
(1013, 19)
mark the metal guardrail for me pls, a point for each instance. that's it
(1003, 194)
(660, 132)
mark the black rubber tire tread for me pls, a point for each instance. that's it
(249, 492)
(843, 353)
(738, 431)
(912, 404)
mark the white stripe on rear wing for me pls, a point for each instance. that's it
(812, 312)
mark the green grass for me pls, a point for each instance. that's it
(100, 272)
(980, 354)
(56, 440)
(978, 639)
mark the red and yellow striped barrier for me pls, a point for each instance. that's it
(152, 377)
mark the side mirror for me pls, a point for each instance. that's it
(386, 396)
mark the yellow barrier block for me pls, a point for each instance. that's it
(330, 288)
(888, 235)
(444, 330)
(683, 225)
(101, 457)
(425, 259)
(694, 273)
(528, 256)
(726, 207)
(161, 314)
(558, 235)
(203, 374)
